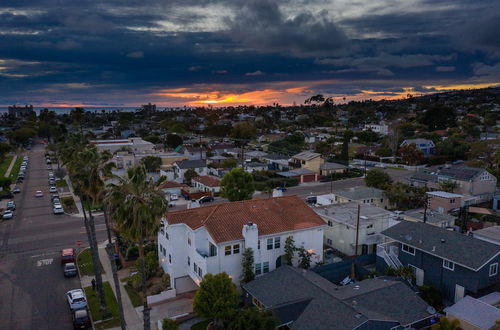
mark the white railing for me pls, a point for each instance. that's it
(391, 256)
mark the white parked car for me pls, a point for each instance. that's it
(174, 197)
(53, 189)
(39, 193)
(76, 299)
(7, 214)
(58, 209)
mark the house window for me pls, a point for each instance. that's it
(258, 269)
(269, 243)
(236, 248)
(200, 272)
(448, 265)
(329, 241)
(330, 223)
(195, 267)
(227, 250)
(166, 235)
(381, 200)
(258, 244)
(213, 250)
(189, 261)
(170, 258)
(277, 242)
(266, 267)
(408, 249)
(189, 240)
(494, 269)
(452, 200)
(369, 226)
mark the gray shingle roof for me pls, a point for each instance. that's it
(332, 166)
(450, 245)
(186, 164)
(461, 173)
(276, 157)
(475, 312)
(315, 303)
(306, 155)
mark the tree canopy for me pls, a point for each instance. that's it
(237, 185)
(377, 178)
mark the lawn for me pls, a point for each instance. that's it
(4, 165)
(61, 183)
(15, 169)
(84, 261)
(93, 303)
(201, 325)
(134, 296)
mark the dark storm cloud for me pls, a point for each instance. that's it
(54, 47)
(262, 26)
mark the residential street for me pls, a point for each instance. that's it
(32, 294)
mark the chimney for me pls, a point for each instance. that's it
(250, 234)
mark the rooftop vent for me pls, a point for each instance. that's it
(434, 249)
(442, 240)
(408, 237)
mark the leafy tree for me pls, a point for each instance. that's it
(151, 264)
(237, 185)
(405, 272)
(247, 265)
(344, 156)
(289, 251)
(4, 148)
(454, 148)
(446, 324)
(438, 117)
(229, 163)
(411, 154)
(169, 324)
(173, 140)
(252, 319)
(304, 258)
(448, 186)
(155, 139)
(396, 194)
(189, 175)
(384, 151)
(323, 147)
(216, 299)
(377, 178)
(315, 99)
(432, 296)
(77, 115)
(243, 132)
(5, 183)
(152, 163)
(22, 135)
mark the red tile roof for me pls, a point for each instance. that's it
(207, 180)
(171, 184)
(224, 222)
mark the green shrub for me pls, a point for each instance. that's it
(132, 253)
(135, 282)
(169, 324)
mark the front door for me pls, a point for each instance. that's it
(364, 249)
(419, 276)
(278, 262)
(459, 292)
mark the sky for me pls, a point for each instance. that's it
(235, 52)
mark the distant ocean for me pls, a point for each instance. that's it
(63, 110)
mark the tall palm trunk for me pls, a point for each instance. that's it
(95, 256)
(114, 270)
(146, 310)
(86, 223)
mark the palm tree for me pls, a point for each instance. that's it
(137, 205)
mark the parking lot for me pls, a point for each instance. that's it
(33, 287)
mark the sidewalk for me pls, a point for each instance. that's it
(75, 197)
(132, 318)
(11, 165)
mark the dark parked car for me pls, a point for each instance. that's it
(69, 269)
(311, 200)
(205, 199)
(16, 190)
(81, 319)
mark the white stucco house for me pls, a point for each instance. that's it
(206, 183)
(212, 239)
(180, 168)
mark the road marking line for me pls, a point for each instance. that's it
(44, 262)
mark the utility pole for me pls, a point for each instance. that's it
(201, 150)
(357, 231)
(426, 204)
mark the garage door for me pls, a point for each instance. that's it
(308, 177)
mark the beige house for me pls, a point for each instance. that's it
(362, 195)
(308, 160)
(443, 202)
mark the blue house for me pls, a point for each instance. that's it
(426, 146)
(454, 263)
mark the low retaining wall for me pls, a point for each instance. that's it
(165, 295)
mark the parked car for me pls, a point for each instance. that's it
(174, 197)
(70, 270)
(56, 199)
(81, 319)
(7, 214)
(52, 189)
(11, 205)
(68, 255)
(171, 204)
(16, 190)
(58, 209)
(39, 193)
(283, 189)
(311, 199)
(49, 161)
(49, 167)
(205, 199)
(76, 299)
(52, 181)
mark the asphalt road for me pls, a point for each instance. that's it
(32, 285)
